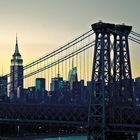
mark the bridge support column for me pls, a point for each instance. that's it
(101, 74)
(111, 68)
(123, 89)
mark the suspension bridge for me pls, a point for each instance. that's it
(105, 110)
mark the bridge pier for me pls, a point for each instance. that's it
(111, 78)
(101, 74)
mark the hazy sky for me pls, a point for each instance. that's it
(43, 25)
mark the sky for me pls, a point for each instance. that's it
(43, 25)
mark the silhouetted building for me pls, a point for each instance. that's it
(16, 78)
(72, 76)
(3, 87)
(30, 94)
(77, 92)
(66, 92)
(89, 90)
(56, 83)
(137, 90)
(40, 88)
(56, 88)
(63, 94)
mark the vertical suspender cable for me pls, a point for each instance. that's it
(54, 68)
(51, 69)
(58, 65)
(84, 74)
(45, 69)
(31, 78)
(48, 77)
(87, 60)
(66, 66)
(40, 72)
(76, 60)
(62, 65)
(69, 59)
(80, 63)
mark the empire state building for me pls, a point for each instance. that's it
(16, 74)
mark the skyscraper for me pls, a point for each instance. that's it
(56, 87)
(137, 90)
(3, 86)
(72, 76)
(16, 77)
(40, 88)
(56, 83)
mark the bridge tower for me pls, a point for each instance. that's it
(101, 74)
(122, 77)
(111, 75)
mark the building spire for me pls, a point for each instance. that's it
(58, 67)
(16, 47)
(72, 62)
(16, 39)
(2, 69)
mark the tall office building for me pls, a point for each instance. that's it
(137, 90)
(30, 94)
(56, 89)
(40, 88)
(3, 86)
(56, 83)
(72, 76)
(16, 77)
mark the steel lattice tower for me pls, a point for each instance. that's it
(108, 73)
(101, 75)
(123, 89)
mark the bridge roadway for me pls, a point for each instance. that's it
(118, 119)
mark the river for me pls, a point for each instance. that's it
(58, 138)
(65, 138)
(71, 138)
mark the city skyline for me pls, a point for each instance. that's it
(70, 68)
(45, 25)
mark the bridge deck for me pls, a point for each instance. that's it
(117, 118)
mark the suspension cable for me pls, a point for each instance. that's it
(123, 34)
(135, 34)
(60, 49)
(87, 46)
(63, 59)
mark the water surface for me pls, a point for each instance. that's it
(65, 138)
